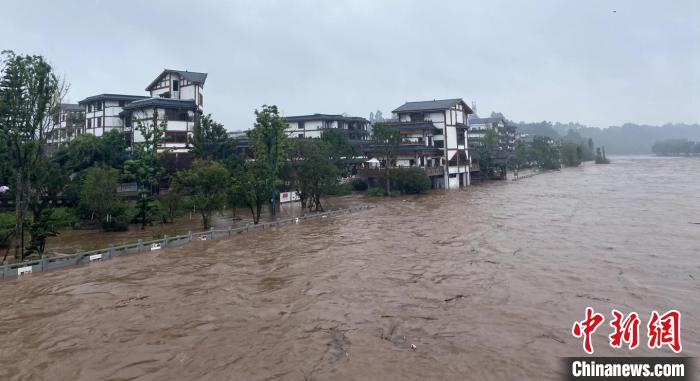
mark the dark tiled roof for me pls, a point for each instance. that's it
(326, 117)
(71, 107)
(418, 125)
(485, 120)
(439, 104)
(166, 103)
(112, 97)
(192, 76)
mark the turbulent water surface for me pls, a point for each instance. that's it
(486, 284)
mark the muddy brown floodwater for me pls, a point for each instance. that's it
(486, 283)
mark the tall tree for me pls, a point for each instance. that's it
(485, 153)
(314, 171)
(386, 140)
(209, 182)
(252, 187)
(209, 140)
(147, 169)
(268, 139)
(339, 146)
(29, 92)
(98, 196)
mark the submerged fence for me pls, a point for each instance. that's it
(81, 257)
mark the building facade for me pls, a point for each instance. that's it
(102, 113)
(434, 137)
(174, 95)
(179, 114)
(68, 122)
(356, 128)
(505, 133)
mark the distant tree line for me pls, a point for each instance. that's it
(676, 147)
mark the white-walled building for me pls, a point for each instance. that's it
(434, 137)
(180, 115)
(175, 95)
(357, 129)
(505, 133)
(68, 122)
(102, 112)
(179, 84)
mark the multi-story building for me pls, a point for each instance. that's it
(67, 124)
(356, 128)
(504, 135)
(180, 116)
(102, 112)
(434, 137)
(175, 95)
(179, 84)
(504, 132)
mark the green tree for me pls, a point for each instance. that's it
(147, 169)
(386, 141)
(545, 153)
(316, 171)
(570, 154)
(412, 180)
(29, 94)
(269, 139)
(339, 146)
(171, 199)
(485, 152)
(252, 185)
(98, 196)
(209, 140)
(209, 182)
(87, 150)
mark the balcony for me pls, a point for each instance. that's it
(375, 172)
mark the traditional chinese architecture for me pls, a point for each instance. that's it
(356, 128)
(433, 137)
(174, 95)
(102, 113)
(68, 122)
(504, 136)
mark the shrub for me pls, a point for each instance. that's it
(359, 185)
(412, 180)
(340, 189)
(123, 214)
(7, 220)
(64, 217)
(375, 192)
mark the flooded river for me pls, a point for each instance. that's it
(485, 282)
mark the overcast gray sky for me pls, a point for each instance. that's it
(532, 60)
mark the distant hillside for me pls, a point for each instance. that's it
(628, 139)
(637, 139)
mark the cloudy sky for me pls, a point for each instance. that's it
(598, 62)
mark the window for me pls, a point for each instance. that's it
(300, 135)
(89, 123)
(176, 136)
(176, 85)
(99, 122)
(122, 103)
(99, 106)
(90, 107)
(177, 116)
(201, 100)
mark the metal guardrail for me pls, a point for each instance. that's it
(82, 257)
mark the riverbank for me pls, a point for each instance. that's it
(82, 257)
(68, 241)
